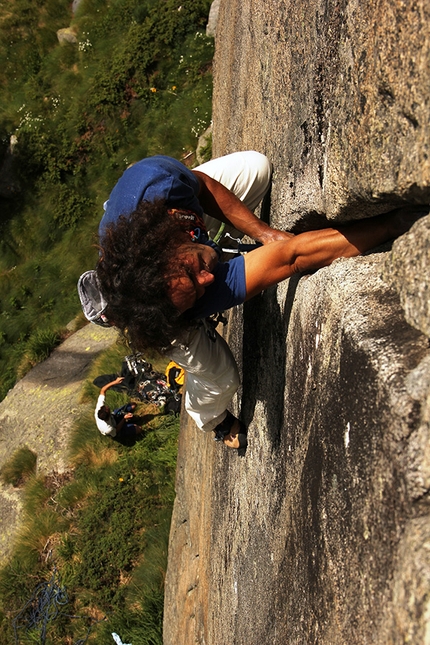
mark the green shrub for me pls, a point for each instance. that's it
(38, 346)
(75, 493)
(82, 114)
(107, 528)
(35, 534)
(19, 467)
(41, 343)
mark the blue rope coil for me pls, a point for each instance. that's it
(43, 607)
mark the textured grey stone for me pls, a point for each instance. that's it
(336, 92)
(67, 35)
(321, 533)
(407, 269)
(75, 5)
(202, 143)
(213, 18)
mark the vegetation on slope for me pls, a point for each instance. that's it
(99, 531)
(136, 82)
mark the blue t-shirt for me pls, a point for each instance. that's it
(162, 177)
(153, 178)
(227, 290)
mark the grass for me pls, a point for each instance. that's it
(104, 526)
(19, 467)
(137, 83)
(38, 347)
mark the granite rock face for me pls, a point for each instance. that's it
(407, 270)
(337, 92)
(320, 534)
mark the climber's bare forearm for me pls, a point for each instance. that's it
(222, 204)
(313, 250)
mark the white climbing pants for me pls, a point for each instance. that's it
(212, 374)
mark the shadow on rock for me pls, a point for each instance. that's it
(265, 327)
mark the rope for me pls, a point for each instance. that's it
(43, 607)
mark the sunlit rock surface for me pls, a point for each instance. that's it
(321, 533)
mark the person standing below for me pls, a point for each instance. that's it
(119, 422)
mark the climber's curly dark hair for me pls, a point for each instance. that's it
(137, 255)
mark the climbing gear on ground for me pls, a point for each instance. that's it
(43, 607)
(175, 375)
